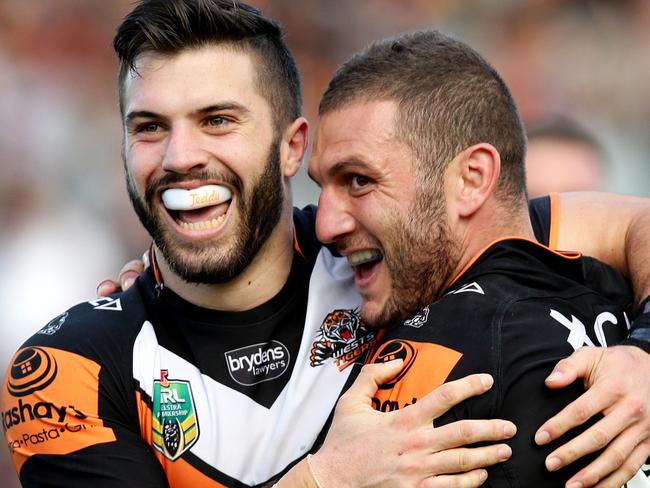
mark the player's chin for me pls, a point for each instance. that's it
(374, 313)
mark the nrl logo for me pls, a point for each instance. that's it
(175, 426)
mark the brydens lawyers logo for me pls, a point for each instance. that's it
(174, 423)
(255, 364)
(32, 369)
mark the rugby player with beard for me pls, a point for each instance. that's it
(357, 400)
(419, 155)
(199, 374)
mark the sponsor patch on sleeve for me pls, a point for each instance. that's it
(50, 403)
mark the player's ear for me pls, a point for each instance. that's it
(293, 146)
(477, 172)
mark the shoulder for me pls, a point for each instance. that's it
(99, 329)
(70, 385)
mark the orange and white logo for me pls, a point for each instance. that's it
(426, 366)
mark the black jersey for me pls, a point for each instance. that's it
(514, 313)
(143, 389)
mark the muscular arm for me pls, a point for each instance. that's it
(612, 228)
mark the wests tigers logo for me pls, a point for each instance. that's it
(343, 337)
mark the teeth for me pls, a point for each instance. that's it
(362, 257)
(204, 196)
(203, 225)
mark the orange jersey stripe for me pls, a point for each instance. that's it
(555, 221)
(50, 404)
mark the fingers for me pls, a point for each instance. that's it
(465, 432)
(467, 459)
(438, 401)
(106, 287)
(578, 365)
(577, 413)
(597, 437)
(629, 469)
(129, 273)
(617, 464)
(464, 480)
(370, 377)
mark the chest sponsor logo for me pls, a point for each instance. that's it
(54, 325)
(175, 424)
(396, 349)
(255, 364)
(426, 366)
(342, 337)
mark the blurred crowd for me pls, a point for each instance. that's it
(65, 218)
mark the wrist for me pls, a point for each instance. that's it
(639, 335)
(300, 476)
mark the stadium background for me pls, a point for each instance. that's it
(64, 214)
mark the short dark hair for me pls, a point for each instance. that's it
(448, 97)
(170, 26)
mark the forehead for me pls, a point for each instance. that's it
(192, 78)
(362, 132)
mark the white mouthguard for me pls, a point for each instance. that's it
(203, 196)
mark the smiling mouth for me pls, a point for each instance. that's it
(364, 257)
(198, 209)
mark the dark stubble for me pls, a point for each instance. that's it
(420, 256)
(260, 209)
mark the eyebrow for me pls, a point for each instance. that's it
(341, 166)
(218, 107)
(140, 114)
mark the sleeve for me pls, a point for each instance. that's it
(540, 218)
(66, 420)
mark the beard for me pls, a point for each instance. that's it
(260, 209)
(420, 256)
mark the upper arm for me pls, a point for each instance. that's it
(612, 228)
(599, 224)
(67, 426)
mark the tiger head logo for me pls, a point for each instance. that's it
(340, 326)
(341, 332)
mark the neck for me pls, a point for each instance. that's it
(258, 283)
(489, 224)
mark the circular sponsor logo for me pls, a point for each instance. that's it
(32, 369)
(395, 349)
